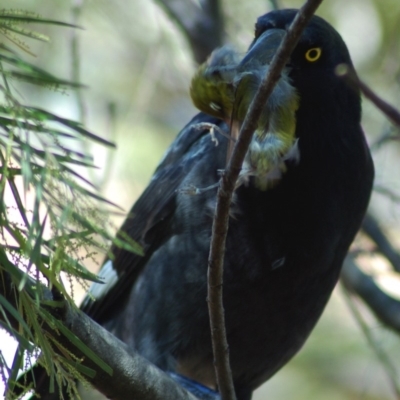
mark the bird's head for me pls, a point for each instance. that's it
(212, 89)
(226, 84)
(312, 64)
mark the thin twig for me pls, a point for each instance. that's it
(228, 183)
(76, 11)
(385, 308)
(351, 77)
(371, 227)
(111, 130)
(380, 353)
(75, 57)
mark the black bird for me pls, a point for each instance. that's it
(285, 245)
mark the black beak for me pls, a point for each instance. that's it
(263, 48)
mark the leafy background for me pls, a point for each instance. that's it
(137, 68)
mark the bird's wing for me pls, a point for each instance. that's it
(149, 222)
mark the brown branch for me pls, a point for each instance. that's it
(227, 185)
(385, 308)
(372, 229)
(202, 24)
(351, 77)
(382, 356)
(133, 376)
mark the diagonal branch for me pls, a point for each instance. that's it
(351, 77)
(371, 227)
(385, 308)
(382, 356)
(132, 376)
(227, 185)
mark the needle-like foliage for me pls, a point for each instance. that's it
(51, 217)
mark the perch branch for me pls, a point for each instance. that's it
(227, 185)
(132, 376)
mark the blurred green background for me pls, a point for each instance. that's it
(137, 67)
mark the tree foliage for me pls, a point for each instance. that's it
(51, 216)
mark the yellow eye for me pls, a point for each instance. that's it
(313, 54)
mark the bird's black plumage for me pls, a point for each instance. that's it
(285, 245)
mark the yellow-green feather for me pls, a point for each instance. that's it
(224, 88)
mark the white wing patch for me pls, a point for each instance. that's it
(110, 276)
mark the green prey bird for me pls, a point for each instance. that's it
(224, 87)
